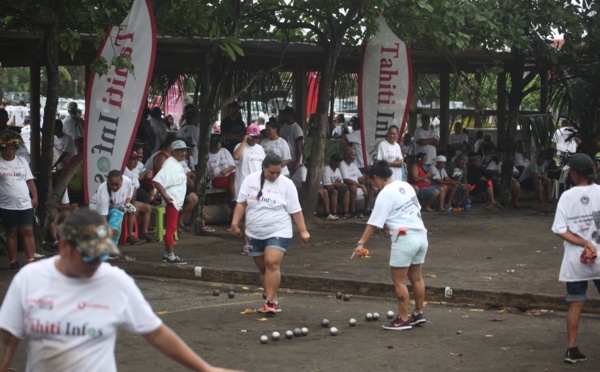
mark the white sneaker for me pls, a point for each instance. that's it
(38, 256)
(331, 217)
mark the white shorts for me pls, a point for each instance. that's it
(409, 249)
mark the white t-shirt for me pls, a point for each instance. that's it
(560, 139)
(173, 178)
(533, 167)
(410, 149)
(26, 136)
(349, 171)
(355, 140)
(290, 133)
(133, 176)
(160, 132)
(497, 166)
(64, 144)
(578, 211)
(269, 216)
(192, 132)
(300, 176)
(478, 144)
(390, 153)
(330, 175)
(219, 161)
(278, 147)
(70, 324)
(18, 115)
(250, 162)
(73, 126)
(397, 206)
(520, 160)
(438, 174)
(430, 150)
(14, 193)
(102, 200)
(458, 139)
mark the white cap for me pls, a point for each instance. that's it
(440, 158)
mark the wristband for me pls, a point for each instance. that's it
(360, 243)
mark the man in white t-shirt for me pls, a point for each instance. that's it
(561, 141)
(427, 140)
(354, 138)
(73, 123)
(293, 134)
(18, 114)
(68, 308)
(458, 138)
(521, 160)
(336, 188)
(577, 222)
(534, 178)
(354, 180)
(64, 147)
(493, 171)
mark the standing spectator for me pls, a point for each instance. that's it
(268, 200)
(274, 144)
(340, 126)
(171, 183)
(458, 138)
(355, 140)
(171, 124)
(426, 138)
(75, 187)
(336, 188)
(422, 180)
(79, 273)
(18, 114)
(12, 133)
(478, 140)
(408, 146)
(534, 178)
(354, 180)
(389, 150)
(18, 197)
(158, 128)
(493, 171)
(64, 147)
(73, 123)
(232, 127)
(292, 133)
(576, 222)
(26, 133)
(249, 156)
(190, 133)
(563, 140)
(145, 133)
(112, 199)
(221, 167)
(397, 212)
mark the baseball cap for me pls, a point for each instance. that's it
(581, 163)
(134, 155)
(178, 145)
(440, 159)
(72, 106)
(89, 232)
(290, 111)
(27, 120)
(253, 130)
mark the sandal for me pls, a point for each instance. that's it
(207, 228)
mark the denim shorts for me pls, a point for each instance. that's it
(13, 219)
(427, 192)
(409, 249)
(258, 246)
(576, 291)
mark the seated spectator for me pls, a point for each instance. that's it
(457, 170)
(141, 200)
(440, 178)
(478, 140)
(355, 140)
(191, 197)
(336, 188)
(533, 179)
(221, 166)
(354, 180)
(479, 182)
(339, 130)
(63, 209)
(553, 171)
(299, 180)
(521, 159)
(458, 138)
(493, 171)
(422, 179)
(487, 152)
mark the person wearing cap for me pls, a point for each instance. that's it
(426, 138)
(18, 197)
(441, 178)
(355, 140)
(422, 180)
(493, 171)
(158, 128)
(141, 201)
(232, 127)
(171, 184)
(191, 198)
(577, 223)
(293, 134)
(534, 178)
(389, 150)
(248, 156)
(274, 144)
(73, 123)
(336, 188)
(68, 308)
(221, 166)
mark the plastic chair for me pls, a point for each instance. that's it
(124, 230)
(562, 180)
(159, 211)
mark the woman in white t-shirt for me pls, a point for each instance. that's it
(18, 197)
(268, 200)
(390, 151)
(68, 308)
(398, 212)
(221, 166)
(274, 144)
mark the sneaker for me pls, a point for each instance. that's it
(358, 215)
(207, 229)
(347, 216)
(366, 213)
(50, 247)
(573, 355)
(129, 258)
(38, 256)
(14, 266)
(331, 217)
(150, 238)
(277, 307)
(398, 325)
(132, 240)
(245, 249)
(416, 319)
(171, 258)
(113, 257)
(268, 308)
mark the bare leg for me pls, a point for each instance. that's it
(145, 211)
(490, 195)
(260, 263)
(346, 201)
(442, 198)
(399, 280)
(333, 200)
(324, 196)
(352, 205)
(516, 190)
(450, 194)
(11, 244)
(28, 241)
(418, 286)
(273, 258)
(188, 207)
(573, 316)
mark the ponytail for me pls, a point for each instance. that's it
(262, 184)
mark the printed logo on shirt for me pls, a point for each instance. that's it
(402, 191)
(41, 303)
(584, 200)
(58, 328)
(86, 305)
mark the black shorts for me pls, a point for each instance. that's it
(527, 184)
(14, 219)
(142, 196)
(479, 187)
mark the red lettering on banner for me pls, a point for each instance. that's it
(123, 37)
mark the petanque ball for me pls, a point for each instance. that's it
(375, 316)
(275, 336)
(352, 322)
(297, 332)
(369, 317)
(263, 339)
(304, 331)
(390, 314)
(325, 322)
(216, 292)
(346, 297)
(333, 331)
(339, 295)
(231, 294)
(289, 335)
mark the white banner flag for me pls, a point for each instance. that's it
(385, 84)
(115, 101)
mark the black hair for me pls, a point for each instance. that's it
(113, 173)
(393, 126)
(381, 169)
(273, 124)
(335, 157)
(58, 124)
(424, 117)
(169, 140)
(269, 160)
(189, 116)
(356, 120)
(4, 114)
